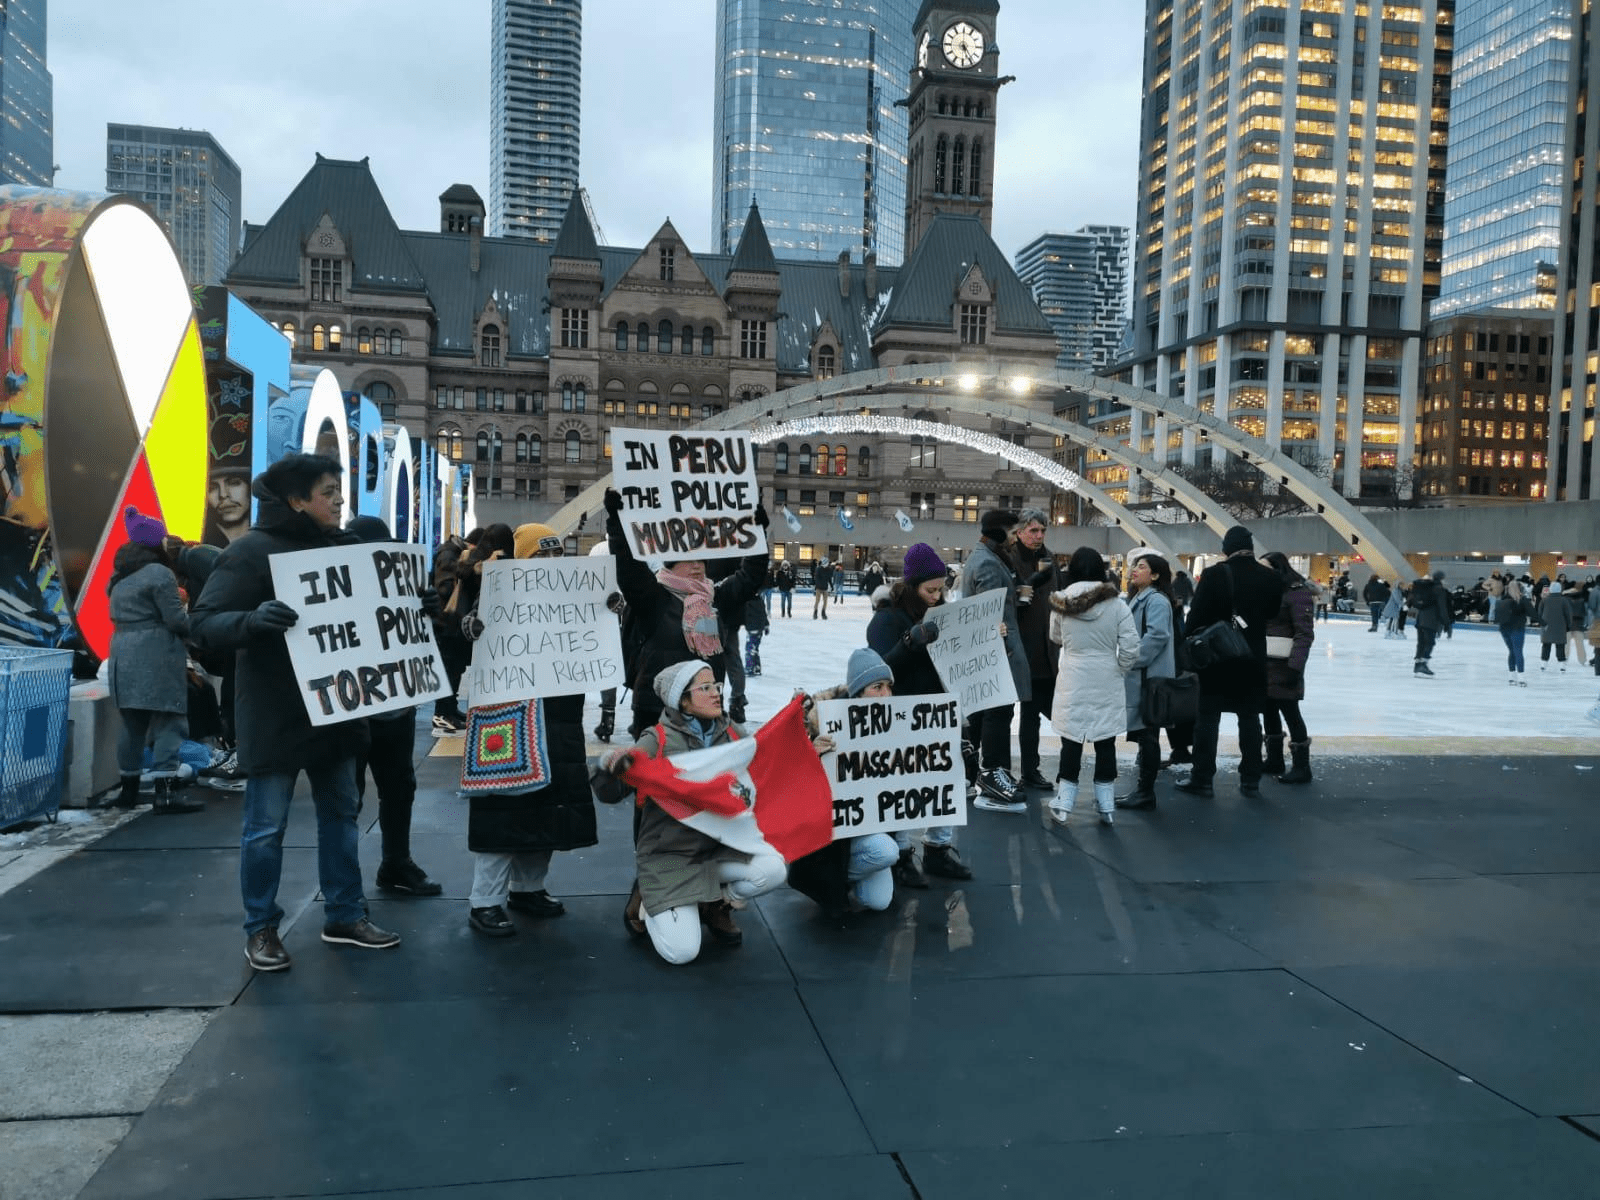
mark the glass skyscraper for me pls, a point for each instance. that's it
(1508, 120)
(535, 97)
(806, 124)
(27, 133)
(189, 181)
(1081, 283)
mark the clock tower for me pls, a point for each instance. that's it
(955, 83)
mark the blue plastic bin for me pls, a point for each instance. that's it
(35, 687)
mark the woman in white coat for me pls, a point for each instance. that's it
(1099, 643)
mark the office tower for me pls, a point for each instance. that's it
(807, 125)
(1290, 221)
(1508, 118)
(27, 145)
(1081, 282)
(189, 181)
(535, 75)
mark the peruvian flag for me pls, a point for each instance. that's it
(751, 794)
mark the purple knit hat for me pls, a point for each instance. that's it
(922, 564)
(143, 530)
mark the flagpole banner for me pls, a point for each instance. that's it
(970, 654)
(904, 521)
(363, 646)
(546, 630)
(789, 519)
(687, 495)
(896, 763)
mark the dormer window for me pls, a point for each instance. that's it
(327, 280)
(489, 346)
(826, 362)
(668, 254)
(974, 324)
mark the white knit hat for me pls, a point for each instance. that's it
(672, 682)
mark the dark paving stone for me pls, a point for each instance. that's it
(1531, 1033)
(1577, 892)
(1487, 1160)
(484, 1090)
(140, 929)
(860, 1178)
(442, 958)
(217, 828)
(981, 1063)
(1445, 922)
(1078, 918)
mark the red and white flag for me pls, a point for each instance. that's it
(751, 794)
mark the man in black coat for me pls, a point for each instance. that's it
(300, 507)
(1241, 587)
(1432, 602)
(1376, 594)
(1038, 578)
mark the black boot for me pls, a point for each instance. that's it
(1301, 771)
(1143, 794)
(607, 726)
(1273, 764)
(128, 797)
(906, 872)
(168, 803)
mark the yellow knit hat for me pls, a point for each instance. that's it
(529, 540)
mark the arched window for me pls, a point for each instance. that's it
(335, 337)
(580, 399)
(958, 168)
(380, 342)
(941, 105)
(522, 447)
(780, 459)
(397, 341)
(489, 346)
(536, 449)
(497, 446)
(966, 109)
(841, 460)
(975, 168)
(822, 459)
(566, 397)
(455, 445)
(805, 458)
(363, 340)
(483, 446)
(644, 338)
(864, 461)
(825, 362)
(382, 395)
(288, 332)
(441, 442)
(574, 446)
(941, 152)
(708, 341)
(664, 338)
(319, 337)
(622, 335)
(686, 340)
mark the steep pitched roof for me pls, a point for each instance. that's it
(928, 280)
(576, 238)
(754, 252)
(461, 193)
(347, 193)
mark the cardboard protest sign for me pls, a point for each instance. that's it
(363, 645)
(896, 763)
(687, 495)
(970, 654)
(546, 630)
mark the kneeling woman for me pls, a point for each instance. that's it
(686, 877)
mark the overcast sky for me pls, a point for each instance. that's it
(406, 83)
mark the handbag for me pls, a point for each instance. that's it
(1168, 700)
(1218, 643)
(1279, 647)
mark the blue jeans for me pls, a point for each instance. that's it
(266, 816)
(870, 859)
(1513, 640)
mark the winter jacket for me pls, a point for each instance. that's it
(149, 662)
(1153, 621)
(1432, 603)
(822, 578)
(755, 617)
(985, 571)
(558, 816)
(275, 736)
(889, 633)
(1512, 615)
(784, 577)
(1296, 618)
(1256, 592)
(1557, 619)
(1099, 644)
(1376, 591)
(1040, 572)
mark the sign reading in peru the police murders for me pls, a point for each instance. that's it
(546, 630)
(687, 495)
(363, 646)
(896, 763)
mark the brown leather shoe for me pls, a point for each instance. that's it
(265, 952)
(718, 918)
(633, 915)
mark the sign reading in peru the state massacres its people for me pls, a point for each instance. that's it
(688, 494)
(896, 763)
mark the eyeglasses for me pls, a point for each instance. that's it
(705, 689)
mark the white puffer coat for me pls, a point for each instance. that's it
(1099, 643)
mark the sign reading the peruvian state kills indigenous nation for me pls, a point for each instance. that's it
(896, 764)
(970, 654)
(363, 646)
(687, 495)
(546, 630)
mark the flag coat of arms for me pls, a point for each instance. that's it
(789, 519)
(751, 794)
(905, 522)
(845, 522)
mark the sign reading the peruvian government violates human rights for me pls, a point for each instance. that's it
(896, 763)
(970, 653)
(546, 630)
(363, 646)
(687, 495)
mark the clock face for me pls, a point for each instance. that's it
(963, 45)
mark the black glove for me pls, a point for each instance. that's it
(614, 602)
(922, 635)
(471, 627)
(1040, 578)
(270, 616)
(432, 605)
(613, 502)
(761, 516)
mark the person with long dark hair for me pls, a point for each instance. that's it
(1155, 616)
(1289, 637)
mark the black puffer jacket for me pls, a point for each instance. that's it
(559, 816)
(1254, 596)
(275, 735)
(888, 634)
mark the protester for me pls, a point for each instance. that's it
(821, 587)
(1511, 612)
(1376, 594)
(1290, 634)
(988, 569)
(686, 878)
(756, 624)
(1099, 644)
(459, 598)
(785, 579)
(1155, 616)
(1557, 618)
(1243, 590)
(731, 611)
(148, 671)
(454, 650)
(299, 506)
(1432, 602)
(1035, 567)
(518, 816)
(900, 633)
